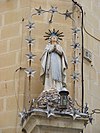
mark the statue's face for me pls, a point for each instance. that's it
(53, 39)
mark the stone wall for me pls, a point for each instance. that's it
(92, 70)
(14, 88)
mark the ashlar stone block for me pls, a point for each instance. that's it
(39, 123)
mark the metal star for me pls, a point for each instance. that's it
(39, 11)
(30, 72)
(67, 14)
(74, 113)
(75, 46)
(90, 119)
(30, 56)
(50, 111)
(75, 76)
(53, 9)
(75, 30)
(30, 25)
(75, 60)
(30, 40)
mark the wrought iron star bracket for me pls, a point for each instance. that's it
(67, 14)
(75, 60)
(30, 56)
(75, 76)
(30, 25)
(75, 46)
(30, 40)
(75, 30)
(52, 10)
(30, 72)
(39, 11)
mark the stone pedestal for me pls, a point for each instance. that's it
(40, 123)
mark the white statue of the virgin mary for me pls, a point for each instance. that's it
(54, 63)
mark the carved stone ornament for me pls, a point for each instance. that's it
(51, 98)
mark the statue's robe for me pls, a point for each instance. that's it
(54, 65)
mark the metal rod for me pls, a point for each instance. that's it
(82, 67)
(74, 64)
(29, 76)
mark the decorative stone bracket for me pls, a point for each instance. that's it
(39, 123)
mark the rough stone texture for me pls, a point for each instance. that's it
(92, 70)
(52, 99)
(13, 49)
(56, 124)
(14, 86)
